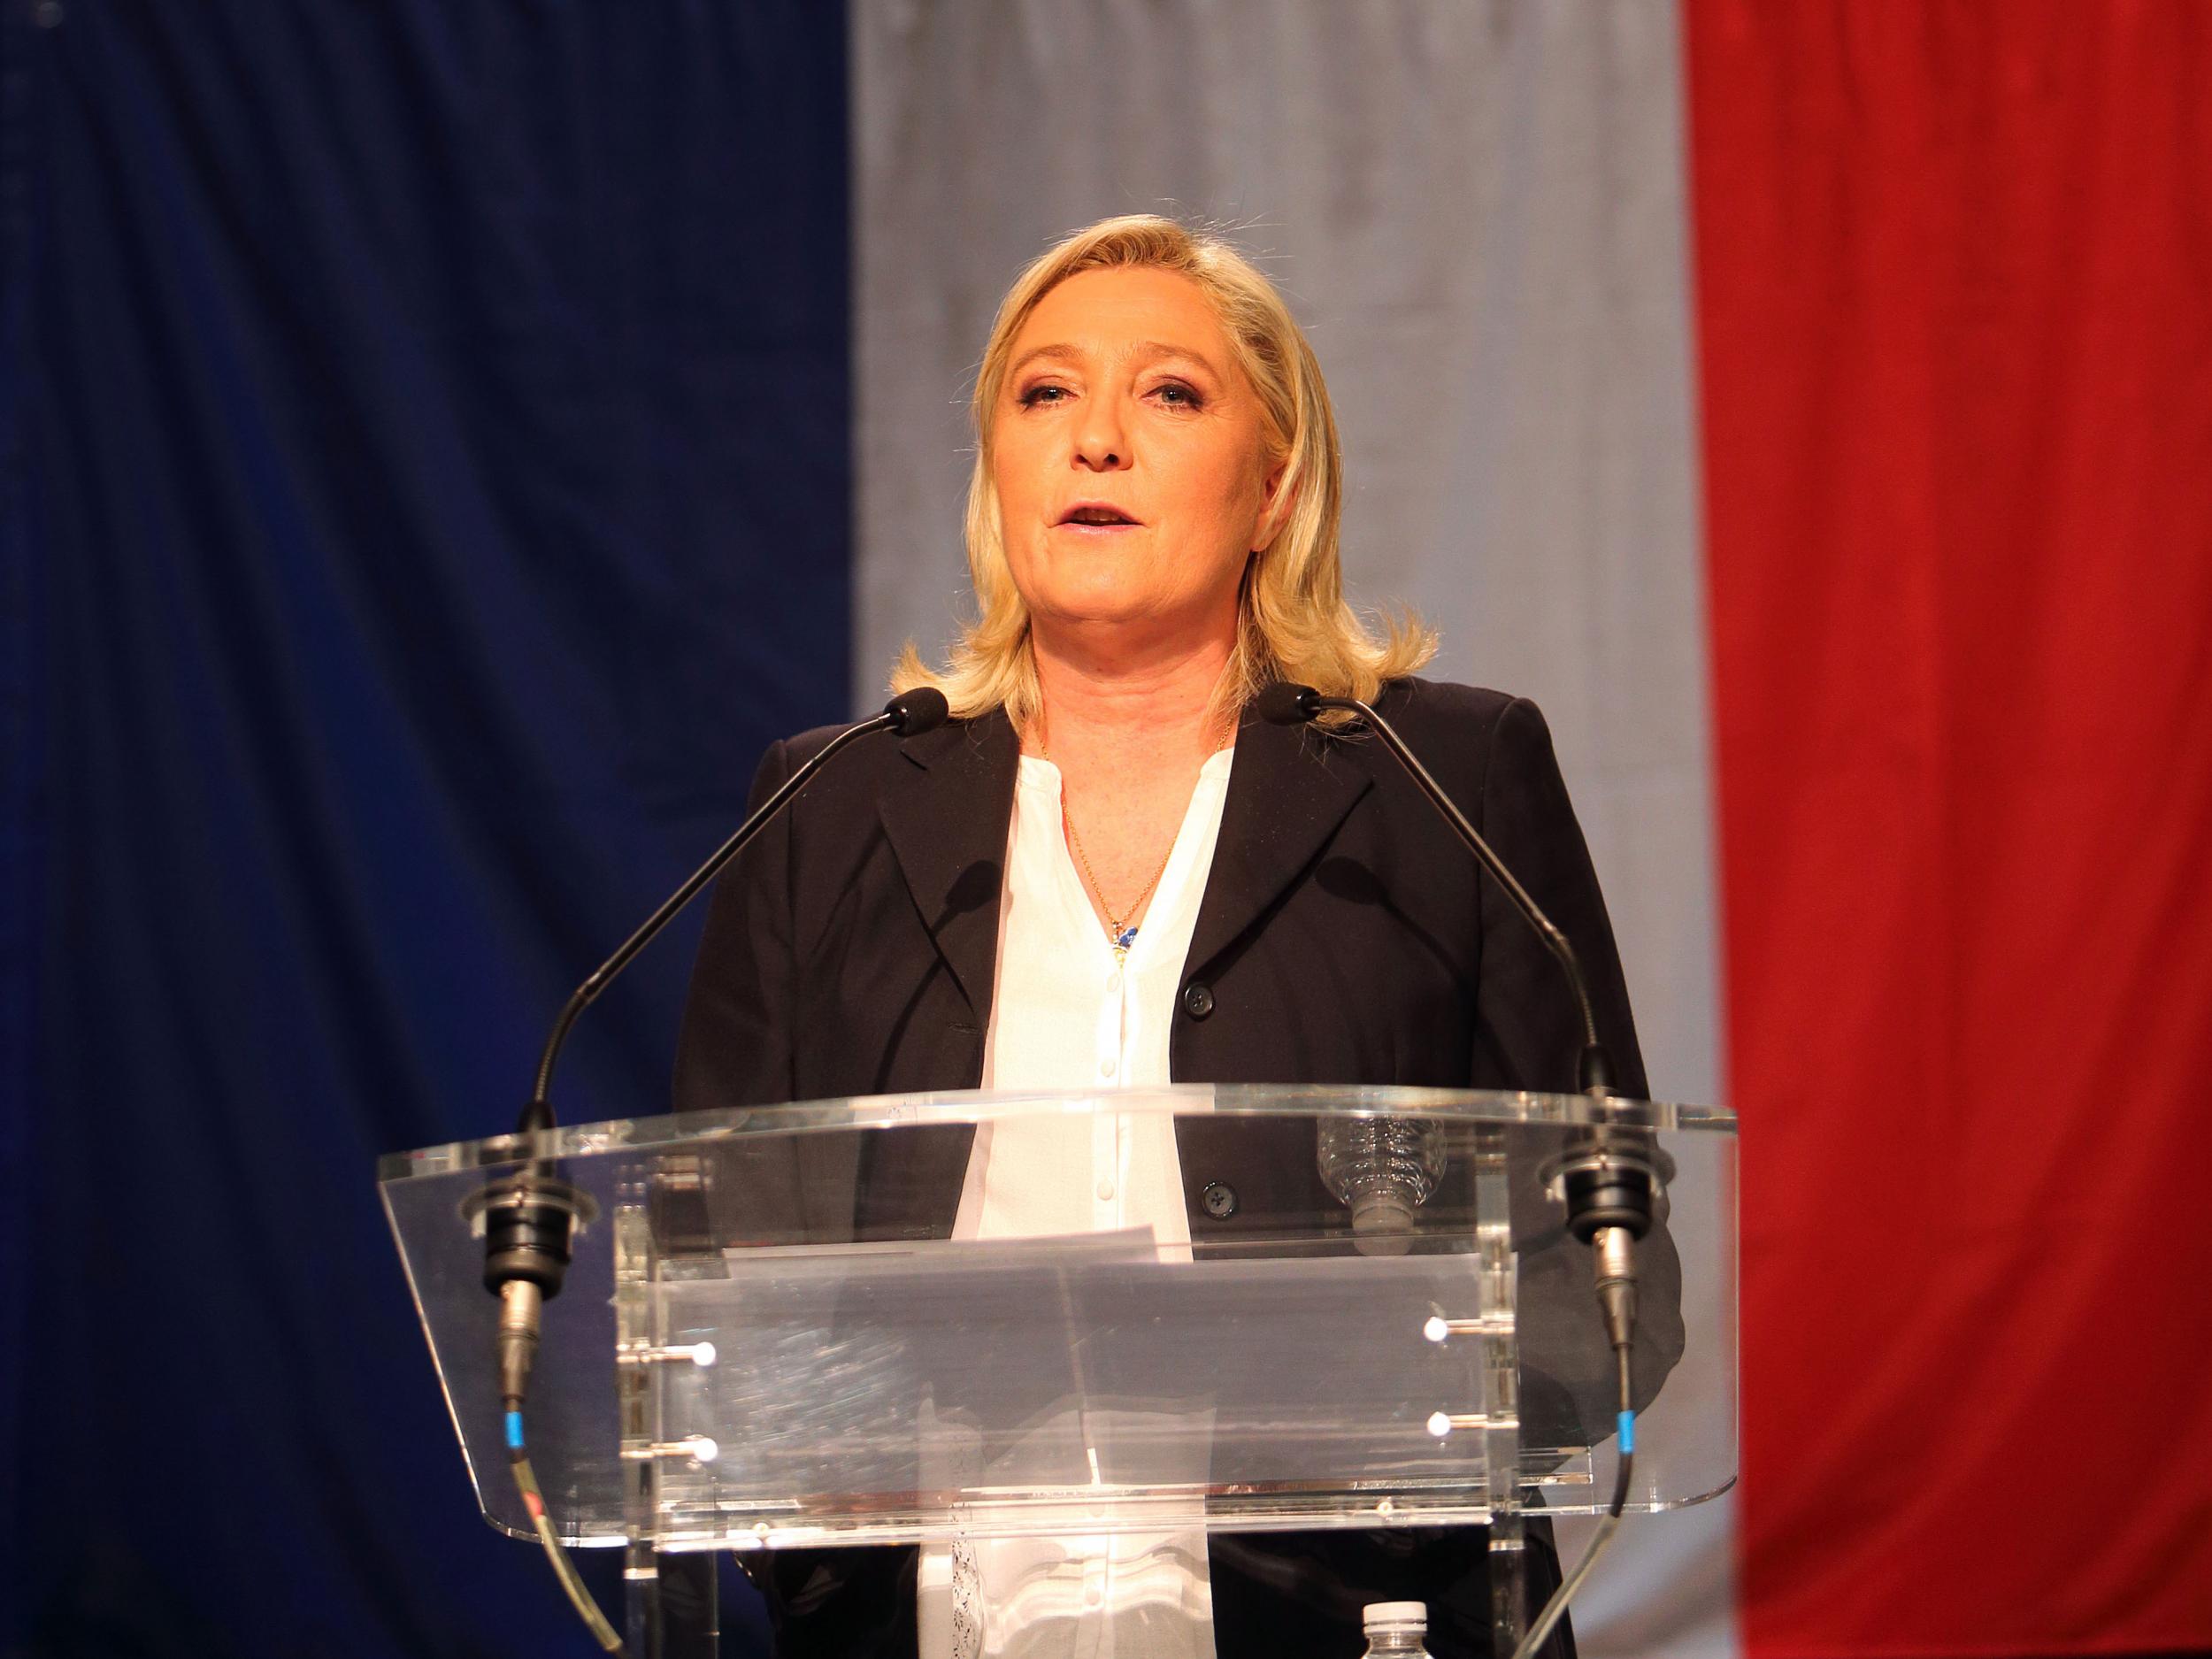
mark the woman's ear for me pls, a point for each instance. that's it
(1281, 497)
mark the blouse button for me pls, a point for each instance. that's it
(1105, 1191)
(1198, 1002)
(1106, 1067)
(1220, 1199)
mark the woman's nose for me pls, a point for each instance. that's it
(1102, 439)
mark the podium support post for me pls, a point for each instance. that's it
(669, 1598)
(1501, 1364)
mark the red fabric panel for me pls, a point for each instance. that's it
(1954, 292)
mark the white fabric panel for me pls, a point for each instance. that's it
(1479, 212)
(1070, 1011)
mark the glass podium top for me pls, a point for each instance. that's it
(900, 1317)
(978, 1106)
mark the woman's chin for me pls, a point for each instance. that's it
(1149, 626)
(1093, 611)
(1101, 595)
(1097, 597)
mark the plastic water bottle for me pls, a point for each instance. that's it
(1394, 1629)
(1384, 1169)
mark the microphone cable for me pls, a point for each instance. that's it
(579, 1594)
(521, 1301)
(1608, 1524)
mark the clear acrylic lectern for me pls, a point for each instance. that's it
(789, 1327)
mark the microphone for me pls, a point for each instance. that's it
(527, 1219)
(1608, 1178)
(1283, 703)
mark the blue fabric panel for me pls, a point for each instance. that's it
(426, 489)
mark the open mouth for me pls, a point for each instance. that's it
(1099, 515)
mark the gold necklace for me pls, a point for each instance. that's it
(1122, 936)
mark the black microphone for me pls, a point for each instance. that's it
(528, 1218)
(1607, 1178)
(1283, 703)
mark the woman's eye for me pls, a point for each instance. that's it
(1037, 395)
(1177, 395)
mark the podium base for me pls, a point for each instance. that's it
(671, 1599)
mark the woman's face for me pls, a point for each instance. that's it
(1129, 456)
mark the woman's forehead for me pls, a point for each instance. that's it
(1124, 312)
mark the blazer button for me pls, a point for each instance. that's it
(1220, 1199)
(1198, 1002)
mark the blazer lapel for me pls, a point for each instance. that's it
(1288, 790)
(947, 821)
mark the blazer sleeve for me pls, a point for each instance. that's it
(734, 1048)
(1529, 1036)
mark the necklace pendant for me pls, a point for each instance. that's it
(1123, 940)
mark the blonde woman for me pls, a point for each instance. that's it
(1102, 872)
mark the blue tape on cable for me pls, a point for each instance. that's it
(514, 1431)
(1628, 1433)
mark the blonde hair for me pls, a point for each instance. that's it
(1292, 622)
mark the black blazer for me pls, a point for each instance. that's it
(1344, 936)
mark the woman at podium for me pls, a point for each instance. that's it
(1104, 871)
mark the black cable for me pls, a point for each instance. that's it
(527, 1483)
(1555, 1608)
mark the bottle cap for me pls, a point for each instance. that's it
(1395, 1613)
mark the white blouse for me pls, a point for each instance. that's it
(1066, 1015)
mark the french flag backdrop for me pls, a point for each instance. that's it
(439, 448)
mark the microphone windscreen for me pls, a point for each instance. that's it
(1283, 703)
(921, 710)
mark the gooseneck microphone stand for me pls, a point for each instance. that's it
(1286, 704)
(1607, 1177)
(529, 1218)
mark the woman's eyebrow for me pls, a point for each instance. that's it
(1153, 351)
(1142, 350)
(1063, 354)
